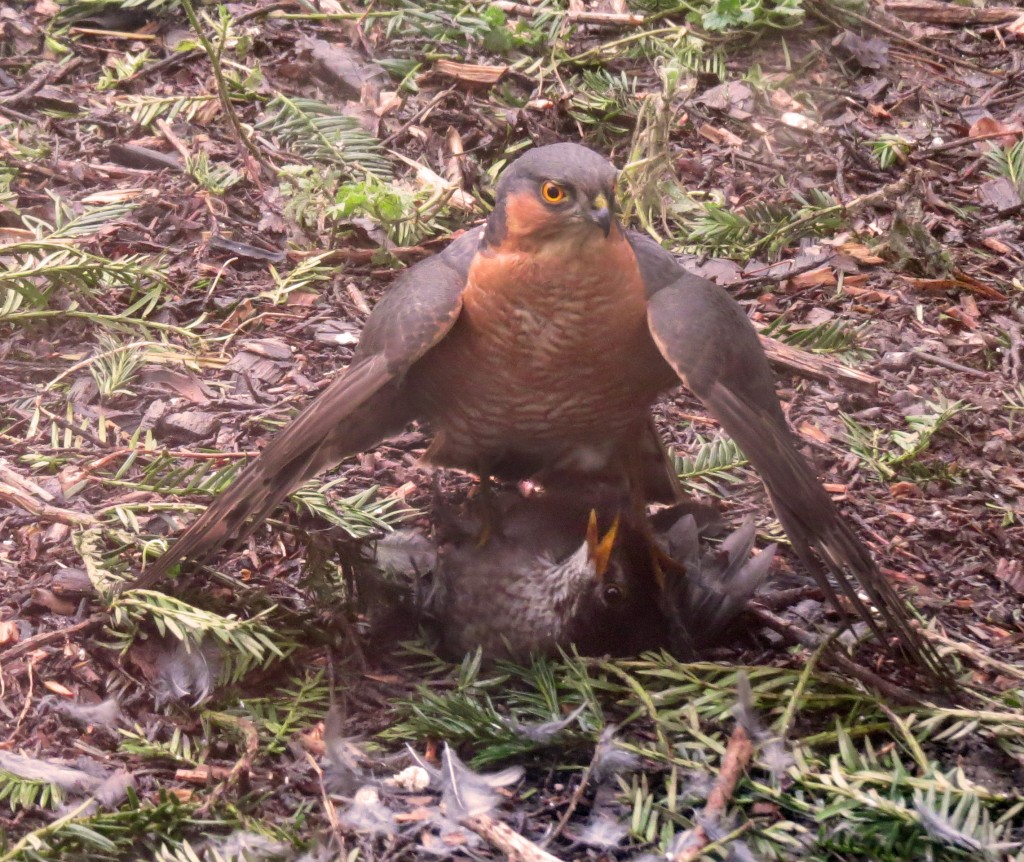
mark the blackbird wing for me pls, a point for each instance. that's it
(706, 338)
(358, 409)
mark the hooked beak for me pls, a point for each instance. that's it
(601, 214)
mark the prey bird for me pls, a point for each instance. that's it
(551, 580)
(534, 346)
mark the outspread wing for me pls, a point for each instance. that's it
(361, 407)
(705, 336)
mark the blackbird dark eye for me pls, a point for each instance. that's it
(612, 594)
(553, 193)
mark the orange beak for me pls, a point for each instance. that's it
(600, 549)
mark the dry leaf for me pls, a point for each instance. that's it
(962, 317)
(823, 276)
(116, 196)
(985, 126)
(719, 135)
(784, 102)
(995, 245)
(471, 73)
(962, 280)
(814, 432)
(9, 633)
(799, 121)
(860, 253)
(1011, 573)
(868, 294)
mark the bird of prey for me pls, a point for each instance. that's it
(534, 346)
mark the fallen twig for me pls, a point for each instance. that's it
(624, 19)
(925, 12)
(43, 638)
(889, 26)
(935, 359)
(795, 634)
(976, 654)
(814, 365)
(734, 761)
(27, 495)
(506, 839)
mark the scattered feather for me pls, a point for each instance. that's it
(86, 778)
(367, 813)
(451, 839)
(344, 771)
(243, 846)
(773, 754)
(78, 782)
(808, 610)
(775, 757)
(697, 785)
(405, 553)
(466, 793)
(186, 671)
(106, 713)
(546, 731)
(319, 854)
(744, 711)
(412, 779)
(603, 830)
(739, 851)
(113, 790)
(611, 760)
(942, 830)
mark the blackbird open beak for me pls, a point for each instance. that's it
(600, 549)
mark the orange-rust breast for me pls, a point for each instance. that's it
(550, 356)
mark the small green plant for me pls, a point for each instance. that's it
(897, 452)
(714, 464)
(299, 704)
(146, 110)
(731, 16)
(214, 177)
(361, 515)
(178, 748)
(832, 337)
(605, 102)
(72, 9)
(1015, 403)
(120, 69)
(114, 366)
(246, 643)
(716, 229)
(20, 792)
(304, 277)
(1007, 162)
(319, 133)
(887, 150)
(406, 215)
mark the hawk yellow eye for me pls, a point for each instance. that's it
(553, 193)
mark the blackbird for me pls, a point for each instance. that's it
(550, 580)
